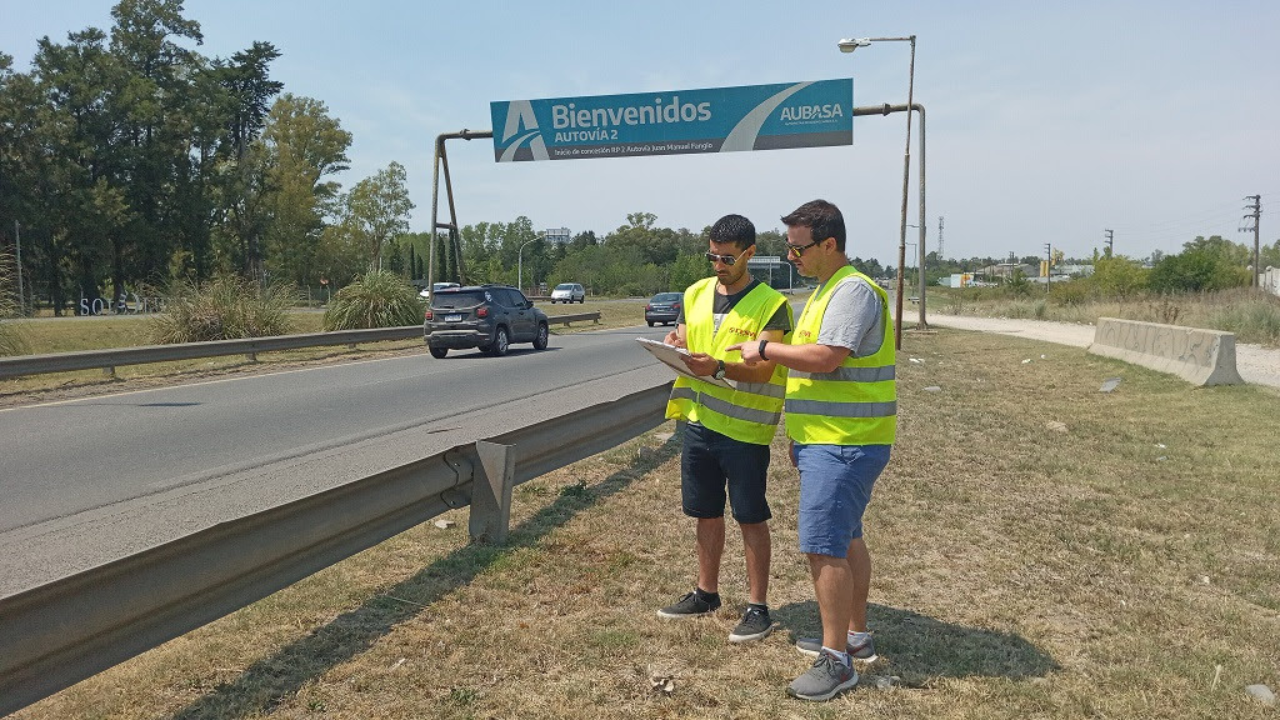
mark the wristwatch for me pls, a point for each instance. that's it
(719, 373)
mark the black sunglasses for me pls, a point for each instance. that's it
(729, 260)
(799, 249)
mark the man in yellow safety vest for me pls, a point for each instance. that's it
(731, 414)
(841, 410)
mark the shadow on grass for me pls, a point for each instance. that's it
(919, 649)
(263, 685)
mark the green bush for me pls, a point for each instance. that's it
(379, 299)
(12, 341)
(226, 308)
(1072, 293)
(1256, 319)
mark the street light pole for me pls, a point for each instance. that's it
(847, 46)
(22, 295)
(520, 265)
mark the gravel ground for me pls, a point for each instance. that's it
(1256, 364)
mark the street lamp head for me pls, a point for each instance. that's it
(848, 45)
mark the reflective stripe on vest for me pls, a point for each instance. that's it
(850, 374)
(855, 404)
(751, 412)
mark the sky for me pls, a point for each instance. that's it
(1047, 122)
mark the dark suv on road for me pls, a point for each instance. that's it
(489, 317)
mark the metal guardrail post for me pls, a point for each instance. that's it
(490, 520)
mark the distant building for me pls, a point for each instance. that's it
(1006, 271)
(559, 236)
(1073, 270)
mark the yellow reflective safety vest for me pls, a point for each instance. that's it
(749, 413)
(857, 403)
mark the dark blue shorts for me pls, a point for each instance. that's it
(710, 462)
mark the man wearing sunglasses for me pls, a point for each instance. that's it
(728, 429)
(841, 410)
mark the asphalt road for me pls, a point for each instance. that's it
(65, 458)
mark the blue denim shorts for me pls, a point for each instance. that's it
(712, 462)
(835, 487)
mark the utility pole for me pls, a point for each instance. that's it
(1048, 266)
(1256, 207)
(1110, 242)
(22, 297)
(941, 222)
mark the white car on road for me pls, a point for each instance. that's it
(568, 292)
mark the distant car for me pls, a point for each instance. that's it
(568, 292)
(488, 317)
(437, 286)
(663, 308)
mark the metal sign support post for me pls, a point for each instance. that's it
(441, 159)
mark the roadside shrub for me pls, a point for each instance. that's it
(1118, 277)
(12, 341)
(1073, 293)
(1256, 320)
(225, 308)
(379, 299)
(1166, 309)
(1017, 286)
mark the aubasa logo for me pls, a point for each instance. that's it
(522, 125)
(812, 112)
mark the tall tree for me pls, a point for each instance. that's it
(292, 192)
(149, 105)
(378, 209)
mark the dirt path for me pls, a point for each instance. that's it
(1257, 365)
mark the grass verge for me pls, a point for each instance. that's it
(1042, 550)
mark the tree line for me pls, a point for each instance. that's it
(128, 158)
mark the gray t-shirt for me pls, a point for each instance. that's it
(853, 319)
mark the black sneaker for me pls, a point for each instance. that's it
(691, 605)
(754, 625)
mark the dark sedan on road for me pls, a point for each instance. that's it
(663, 308)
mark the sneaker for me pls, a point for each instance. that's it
(865, 652)
(754, 625)
(827, 678)
(691, 605)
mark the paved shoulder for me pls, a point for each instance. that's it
(1054, 332)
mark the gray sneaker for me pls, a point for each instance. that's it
(755, 624)
(827, 678)
(865, 652)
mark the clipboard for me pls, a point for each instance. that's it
(670, 356)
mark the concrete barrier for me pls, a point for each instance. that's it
(1202, 357)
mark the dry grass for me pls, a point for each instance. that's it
(1122, 567)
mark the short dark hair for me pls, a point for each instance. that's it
(822, 218)
(735, 229)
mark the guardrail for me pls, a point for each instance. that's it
(109, 360)
(566, 319)
(60, 633)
